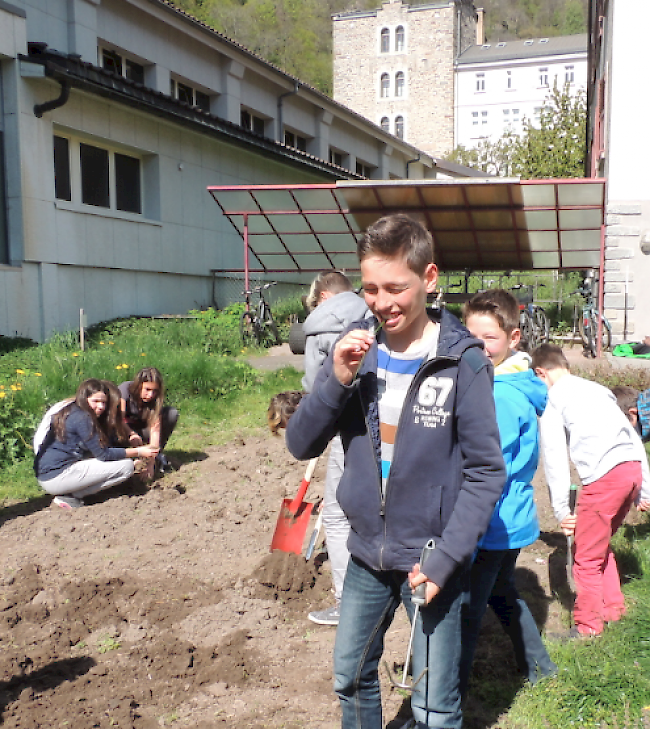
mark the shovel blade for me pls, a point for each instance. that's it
(291, 527)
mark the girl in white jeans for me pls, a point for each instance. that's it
(75, 459)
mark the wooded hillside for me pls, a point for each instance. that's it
(296, 35)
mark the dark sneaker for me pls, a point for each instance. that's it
(67, 502)
(164, 466)
(571, 634)
(329, 616)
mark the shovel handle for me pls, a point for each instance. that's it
(573, 495)
(304, 485)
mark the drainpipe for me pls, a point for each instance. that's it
(62, 98)
(296, 88)
(410, 161)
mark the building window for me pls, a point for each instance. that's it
(399, 39)
(537, 114)
(385, 85)
(253, 123)
(385, 40)
(543, 76)
(399, 127)
(120, 65)
(385, 124)
(189, 95)
(480, 82)
(108, 178)
(336, 157)
(506, 117)
(515, 115)
(291, 139)
(399, 83)
(475, 118)
(484, 117)
(62, 187)
(363, 169)
(569, 75)
(508, 79)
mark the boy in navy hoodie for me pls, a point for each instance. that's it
(413, 403)
(520, 397)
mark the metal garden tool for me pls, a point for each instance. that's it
(294, 516)
(573, 495)
(314, 536)
(418, 598)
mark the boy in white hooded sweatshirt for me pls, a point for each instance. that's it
(612, 465)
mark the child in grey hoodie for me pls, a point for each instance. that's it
(334, 307)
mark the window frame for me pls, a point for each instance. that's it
(400, 126)
(77, 179)
(400, 84)
(543, 77)
(175, 84)
(384, 124)
(480, 83)
(400, 39)
(128, 64)
(384, 85)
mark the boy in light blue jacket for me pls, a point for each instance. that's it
(493, 316)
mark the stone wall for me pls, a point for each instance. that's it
(431, 45)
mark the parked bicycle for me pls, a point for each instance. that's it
(533, 322)
(588, 322)
(256, 325)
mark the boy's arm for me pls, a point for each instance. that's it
(556, 461)
(483, 476)
(643, 499)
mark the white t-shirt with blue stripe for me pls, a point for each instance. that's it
(395, 372)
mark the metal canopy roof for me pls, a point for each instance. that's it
(483, 224)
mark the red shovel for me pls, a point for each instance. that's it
(294, 517)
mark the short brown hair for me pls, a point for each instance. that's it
(626, 397)
(333, 281)
(501, 305)
(549, 357)
(281, 408)
(398, 236)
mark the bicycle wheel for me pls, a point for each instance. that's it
(589, 332)
(269, 333)
(527, 341)
(606, 334)
(541, 324)
(247, 329)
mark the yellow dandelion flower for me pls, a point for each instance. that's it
(2, 387)
(19, 387)
(14, 388)
(75, 354)
(211, 390)
(3, 394)
(143, 354)
(37, 374)
(119, 351)
(20, 372)
(125, 366)
(101, 342)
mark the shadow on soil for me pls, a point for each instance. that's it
(495, 677)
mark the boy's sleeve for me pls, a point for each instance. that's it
(556, 460)
(315, 422)
(644, 494)
(483, 471)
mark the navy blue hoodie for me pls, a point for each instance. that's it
(447, 470)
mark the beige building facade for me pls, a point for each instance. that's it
(395, 66)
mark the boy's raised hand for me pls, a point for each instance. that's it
(349, 353)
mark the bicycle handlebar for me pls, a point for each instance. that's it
(259, 289)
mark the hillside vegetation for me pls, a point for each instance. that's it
(296, 35)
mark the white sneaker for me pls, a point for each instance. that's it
(329, 616)
(67, 502)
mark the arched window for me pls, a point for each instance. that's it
(399, 83)
(385, 124)
(385, 85)
(399, 38)
(385, 40)
(399, 127)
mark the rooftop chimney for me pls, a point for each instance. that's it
(480, 33)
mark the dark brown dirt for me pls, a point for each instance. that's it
(162, 606)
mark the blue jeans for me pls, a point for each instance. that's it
(369, 601)
(493, 583)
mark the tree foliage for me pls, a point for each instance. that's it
(556, 147)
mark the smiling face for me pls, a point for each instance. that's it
(397, 296)
(97, 403)
(498, 344)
